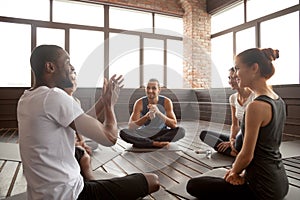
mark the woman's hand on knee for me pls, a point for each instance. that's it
(223, 146)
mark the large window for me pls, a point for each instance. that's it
(15, 52)
(168, 25)
(57, 36)
(230, 17)
(87, 56)
(260, 8)
(78, 13)
(154, 60)
(269, 23)
(130, 19)
(222, 59)
(287, 65)
(81, 29)
(175, 59)
(124, 58)
(26, 9)
(245, 39)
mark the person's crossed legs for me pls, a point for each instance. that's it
(147, 138)
(121, 187)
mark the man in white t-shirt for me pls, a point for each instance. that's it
(48, 118)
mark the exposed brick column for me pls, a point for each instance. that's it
(197, 64)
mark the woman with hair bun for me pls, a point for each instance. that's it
(258, 171)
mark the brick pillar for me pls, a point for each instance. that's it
(196, 42)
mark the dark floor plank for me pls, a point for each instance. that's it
(293, 169)
(294, 160)
(2, 162)
(112, 168)
(163, 194)
(171, 167)
(136, 160)
(293, 174)
(294, 182)
(9, 135)
(291, 163)
(146, 163)
(4, 134)
(7, 177)
(126, 166)
(124, 145)
(165, 180)
(196, 165)
(180, 164)
(162, 162)
(14, 136)
(175, 175)
(19, 183)
(297, 157)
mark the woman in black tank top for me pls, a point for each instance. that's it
(258, 171)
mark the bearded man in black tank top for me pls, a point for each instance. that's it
(153, 122)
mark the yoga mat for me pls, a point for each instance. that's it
(170, 147)
(290, 148)
(180, 189)
(216, 160)
(9, 151)
(101, 156)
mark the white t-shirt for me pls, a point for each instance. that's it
(47, 143)
(240, 109)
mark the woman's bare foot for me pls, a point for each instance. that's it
(160, 144)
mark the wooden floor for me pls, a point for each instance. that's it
(172, 167)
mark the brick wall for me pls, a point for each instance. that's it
(197, 62)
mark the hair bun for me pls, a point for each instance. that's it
(271, 54)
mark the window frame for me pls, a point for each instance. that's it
(256, 24)
(105, 29)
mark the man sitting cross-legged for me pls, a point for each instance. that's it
(153, 122)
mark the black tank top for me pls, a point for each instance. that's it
(266, 174)
(156, 122)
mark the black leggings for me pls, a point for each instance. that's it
(217, 188)
(129, 187)
(144, 138)
(213, 139)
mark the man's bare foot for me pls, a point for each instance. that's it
(160, 144)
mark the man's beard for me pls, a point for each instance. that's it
(151, 96)
(65, 83)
